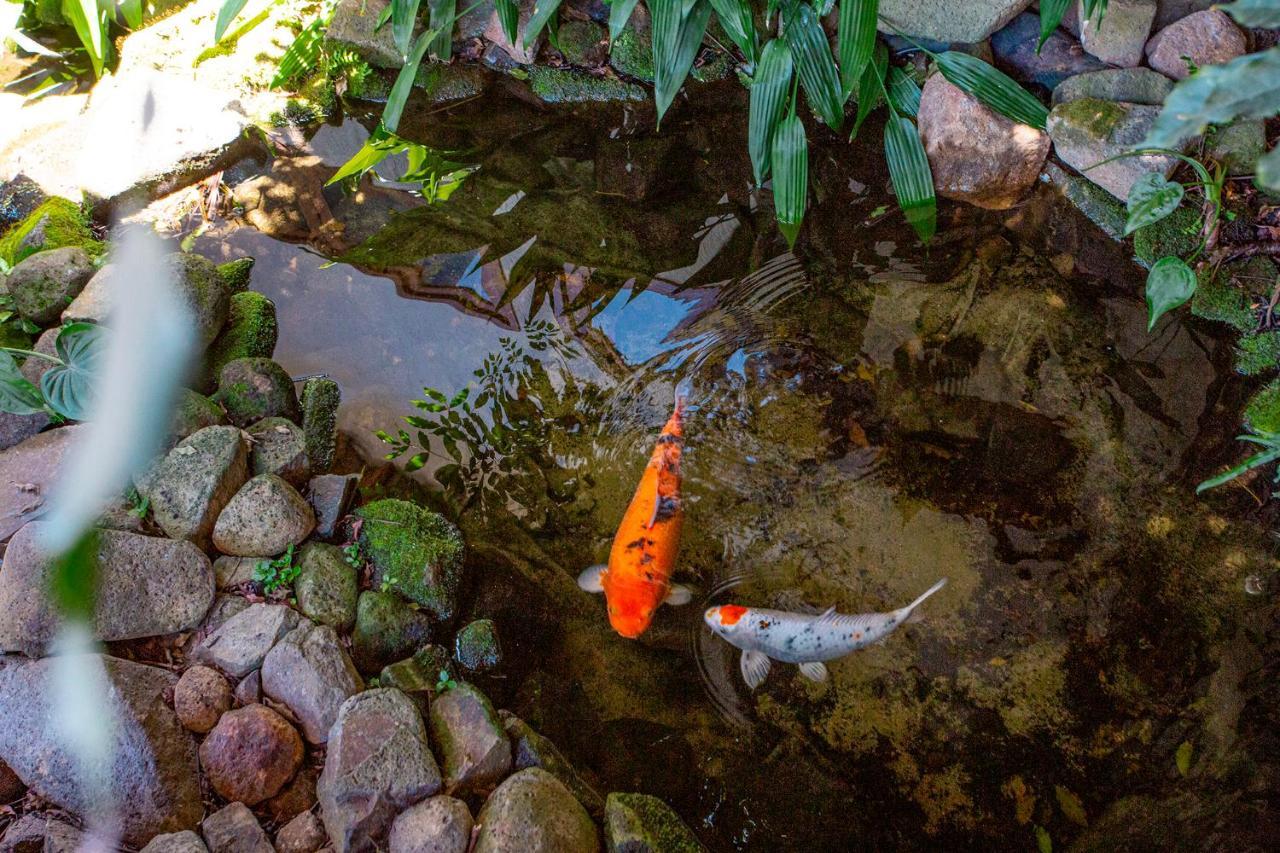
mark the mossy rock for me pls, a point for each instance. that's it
(320, 400)
(1219, 295)
(278, 448)
(12, 334)
(194, 412)
(251, 332)
(632, 52)
(581, 43)
(1258, 353)
(476, 647)
(718, 66)
(251, 389)
(44, 284)
(639, 823)
(54, 224)
(387, 629)
(236, 274)
(414, 551)
(567, 86)
(327, 588)
(204, 292)
(1263, 412)
(445, 83)
(411, 680)
(1238, 145)
(1176, 234)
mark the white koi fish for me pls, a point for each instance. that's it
(802, 638)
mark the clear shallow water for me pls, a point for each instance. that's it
(867, 416)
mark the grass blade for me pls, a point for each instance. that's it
(815, 67)
(1051, 12)
(904, 94)
(768, 100)
(400, 90)
(855, 40)
(993, 88)
(509, 17)
(404, 13)
(676, 39)
(619, 14)
(870, 95)
(542, 12)
(87, 22)
(790, 157)
(443, 14)
(1255, 461)
(226, 15)
(912, 178)
(735, 18)
(131, 12)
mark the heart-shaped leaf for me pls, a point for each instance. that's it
(1152, 198)
(1169, 284)
(17, 395)
(1267, 171)
(768, 100)
(1246, 86)
(69, 387)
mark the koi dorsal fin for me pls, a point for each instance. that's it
(827, 616)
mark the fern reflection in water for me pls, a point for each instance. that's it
(504, 435)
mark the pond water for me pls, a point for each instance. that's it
(866, 417)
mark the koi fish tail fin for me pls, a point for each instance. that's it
(908, 612)
(683, 388)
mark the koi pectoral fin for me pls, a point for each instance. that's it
(678, 594)
(755, 668)
(814, 671)
(592, 578)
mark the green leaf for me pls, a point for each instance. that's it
(1247, 86)
(17, 395)
(1182, 758)
(619, 13)
(400, 89)
(87, 20)
(814, 66)
(1151, 198)
(735, 18)
(678, 28)
(790, 157)
(1264, 14)
(1255, 461)
(404, 14)
(1051, 12)
(768, 100)
(443, 14)
(1169, 284)
(131, 12)
(870, 93)
(1044, 843)
(904, 94)
(376, 148)
(542, 12)
(994, 88)
(912, 178)
(226, 15)
(509, 17)
(302, 56)
(1267, 172)
(69, 387)
(855, 40)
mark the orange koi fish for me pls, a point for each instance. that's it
(638, 576)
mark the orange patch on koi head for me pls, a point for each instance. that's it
(726, 614)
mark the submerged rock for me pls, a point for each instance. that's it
(475, 749)
(310, 673)
(639, 823)
(279, 448)
(44, 284)
(234, 829)
(1087, 132)
(320, 400)
(387, 628)
(251, 332)
(977, 155)
(534, 812)
(250, 754)
(567, 86)
(436, 825)
(239, 645)
(530, 749)
(1202, 38)
(189, 488)
(251, 389)
(155, 781)
(29, 472)
(1118, 34)
(147, 587)
(266, 516)
(476, 646)
(1131, 85)
(200, 697)
(414, 551)
(378, 764)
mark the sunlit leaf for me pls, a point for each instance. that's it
(1051, 12)
(1267, 173)
(443, 14)
(1264, 14)
(509, 17)
(870, 93)
(302, 56)
(912, 178)
(87, 20)
(404, 14)
(1169, 284)
(376, 148)
(735, 18)
(17, 395)
(678, 28)
(904, 93)
(131, 12)
(70, 387)
(994, 88)
(768, 100)
(542, 12)
(1182, 758)
(1247, 86)
(855, 40)
(790, 158)
(226, 15)
(400, 90)
(814, 66)
(1151, 198)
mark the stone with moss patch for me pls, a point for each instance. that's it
(326, 588)
(194, 412)
(1238, 145)
(476, 646)
(250, 332)
(411, 680)
(320, 400)
(414, 551)
(54, 224)
(1088, 133)
(1258, 353)
(251, 389)
(1177, 234)
(445, 83)
(639, 823)
(567, 86)
(387, 629)
(632, 51)
(235, 275)
(1097, 205)
(1263, 412)
(43, 284)
(1223, 294)
(581, 43)
(279, 448)
(716, 66)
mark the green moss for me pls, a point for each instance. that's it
(410, 679)
(1095, 117)
(54, 224)
(565, 86)
(235, 275)
(387, 629)
(1263, 412)
(194, 413)
(320, 400)
(580, 42)
(444, 83)
(1027, 692)
(250, 332)
(643, 822)
(326, 587)
(414, 551)
(251, 389)
(476, 646)
(1217, 297)
(718, 67)
(13, 335)
(1177, 234)
(632, 53)
(1258, 353)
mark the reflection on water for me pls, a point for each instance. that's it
(866, 417)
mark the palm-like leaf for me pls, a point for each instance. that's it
(912, 178)
(904, 93)
(226, 15)
(302, 55)
(404, 14)
(87, 20)
(443, 14)
(542, 12)
(678, 28)
(735, 18)
(870, 93)
(1051, 12)
(400, 90)
(814, 65)
(855, 39)
(994, 88)
(768, 100)
(790, 157)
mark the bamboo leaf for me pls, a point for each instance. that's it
(404, 14)
(1247, 86)
(994, 88)
(677, 35)
(768, 100)
(790, 157)
(542, 12)
(904, 94)
(1051, 12)
(855, 40)
(86, 20)
(870, 94)
(619, 14)
(400, 90)
(1152, 198)
(1264, 14)
(814, 65)
(226, 15)
(735, 18)
(302, 56)
(131, 12)
(1169, 284)
(912, 178)
(443, 14)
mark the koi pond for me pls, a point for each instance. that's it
(865, 416)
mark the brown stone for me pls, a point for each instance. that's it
(251, 754)
(201, 696)
(1205, 38)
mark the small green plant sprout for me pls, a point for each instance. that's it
(389, 583)
(351, 554)
(1270, 444)
(445, 682)
(278, 573)
(138, 505)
